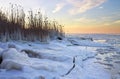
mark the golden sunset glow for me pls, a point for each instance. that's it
(105, 30)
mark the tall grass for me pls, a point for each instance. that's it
(16, 25)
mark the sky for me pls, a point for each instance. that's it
(77, 16)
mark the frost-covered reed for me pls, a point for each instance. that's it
(16, 25)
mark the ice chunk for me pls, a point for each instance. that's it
(90, 43)
(12, 53)
(1, 55)
(10, 45)
(1, 51)
(12, 59)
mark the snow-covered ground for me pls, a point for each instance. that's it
(71, 58)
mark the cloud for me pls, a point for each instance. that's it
(101, 7)
(117, 22)
(59, 6)
(111, 22)
(107, 24)
(85, 20)
(81, 6)
(78, 6)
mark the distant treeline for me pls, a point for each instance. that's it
(16, 25)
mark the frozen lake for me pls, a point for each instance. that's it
(108, 57)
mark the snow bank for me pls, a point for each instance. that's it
(56, 60)
(50, 55)
(12, 59)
